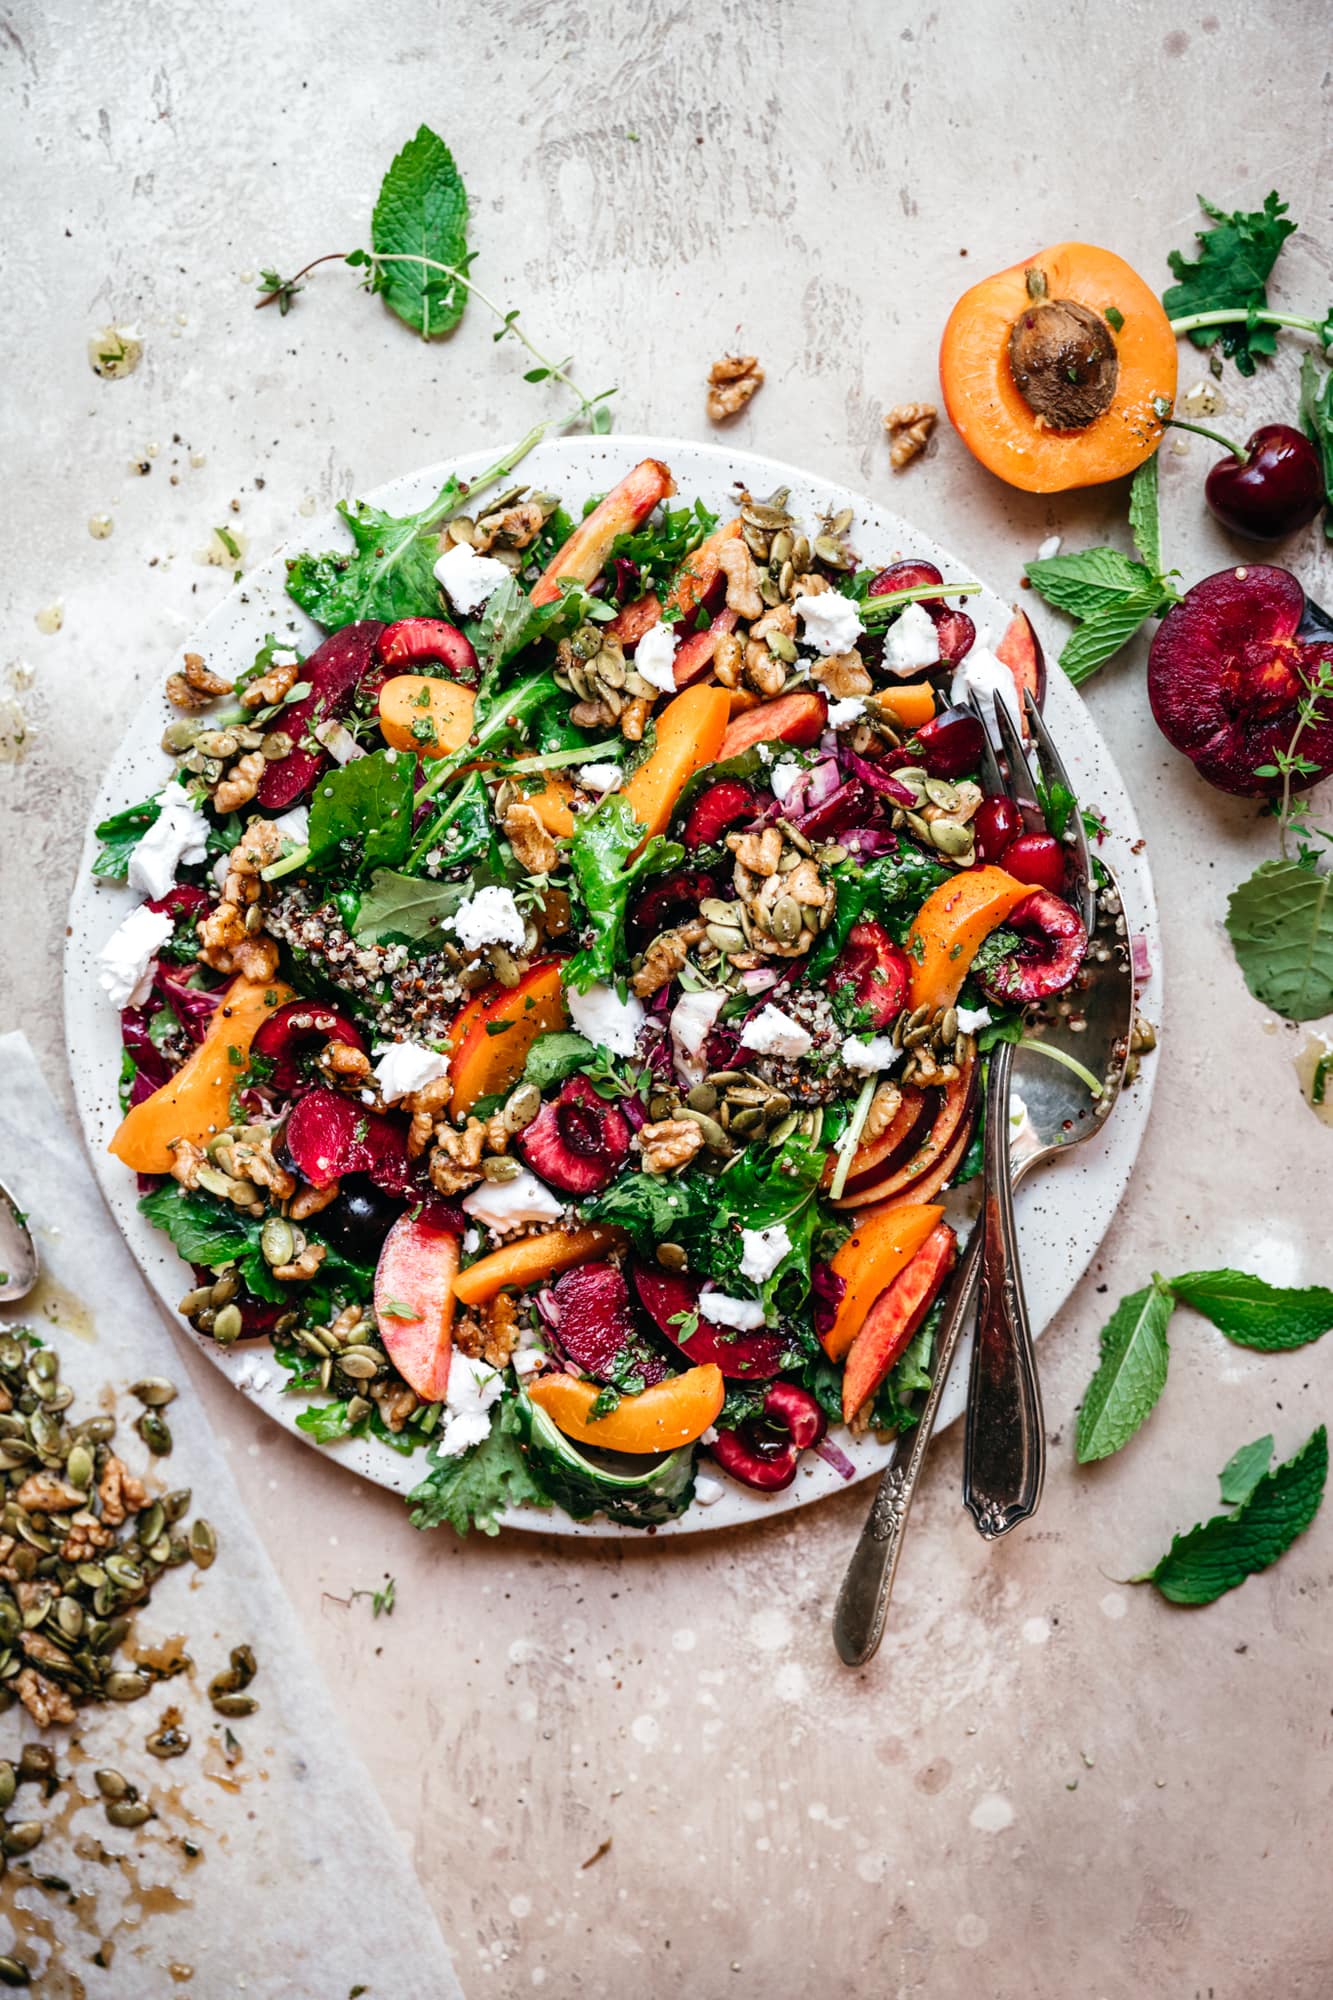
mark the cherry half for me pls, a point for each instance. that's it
(1268, 488)
(1037, 859)
(995, 823)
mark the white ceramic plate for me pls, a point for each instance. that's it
(1065, 1211)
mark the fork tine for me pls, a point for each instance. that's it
(992, 777)
(1054, 772)
(1021, 788)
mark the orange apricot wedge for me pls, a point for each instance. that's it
(895, 1318)
(419, 712)
(584, 554)
(690, 733)
(670, 1414)
(792, 718)
(882, 1243)
(492, 1053)
(910, 703)
(195, 1103)
(1096, 357)
(514, 1267)
(949, 929)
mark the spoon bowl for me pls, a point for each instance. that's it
(18, 1253)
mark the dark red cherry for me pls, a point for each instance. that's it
(1272, 488)
(1038, 860)
(951, 743)
(996, 822)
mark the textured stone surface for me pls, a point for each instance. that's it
(1048, 1783)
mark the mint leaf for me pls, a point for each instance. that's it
(1088, 581)
(1243, 1471)
(1317, 417)
(368, 805)
(1280, 923)
(471, 1491)
(1214, 1558)
(422, 212)
(1253, 1314)
(556, 1056)
(1231, 271)
(406, 908)
(1130, 1376)
(1145, 521)
(1111, 628)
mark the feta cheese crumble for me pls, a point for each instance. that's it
(869, 1057)
(832, 622)
(1050, 547)
(404, 1067)
(490, 917)
(784, 778)
(744, 1315)
(179, 833)
(125, 962)
(708, 1488)
(469, 579)
(608, 1021)
(972, 1018)
(762, 1250)
(473, 1387)
(773, 1033)
(692, 1020)
(911, 641)
(499, 1204)
(601, 778)
(654, 657)
(841, 713)
(981, 674)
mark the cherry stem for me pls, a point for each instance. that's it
(1239, 452)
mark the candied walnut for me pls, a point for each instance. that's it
(455, 1163)
(728, 659)
(119, 1492)
(260, 844)
(311, 1200)
(343, 1062)
(909, 426)
(396, 1403)
(195, 686)
(731, 383)
(738, 566)
(661, 962)
(43, 1493)
(807, 885)
(764, 671)
(533, 846)
(241, 782)
(593, 715)
(634, 719)
(228, 946)
(247, 1155)
(270, 687)
(303, 1266)
(186, 1160)
(45, 1702)
(883, 1110)
(512, 528)
(669, 1145)
(85, 1542)
(492, 1334)
(842, 675)
(759, 852)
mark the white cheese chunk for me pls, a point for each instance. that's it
(972, 1018)
(773, 1033)
(473, 1387)
(981, 674)
(832, 622)
(744, 1315)
(125, 962)
(654, 657)
(842, 713)
(870, 1057)
(911, 642)
(404, 1067)
(784, 778)
(500, 1204)
(708, 1488)
(762, 1250)
(1050, 547)
(608, 1021)
(692, 1020)
(178, 834)
(469, 579)
(600, 778)
(490, 917)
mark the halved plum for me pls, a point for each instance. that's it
(1049, 952)
(327, 1136)
(719, 809)
(953, 629)
(296, 1028)
(666, 901)
(765, 1451)
(578, 1142)
(596, 1326)
(1227, 671)
(333, 672)
(415, 1303)
(878, 971)
(671, 1301)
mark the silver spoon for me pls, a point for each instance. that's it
(18, 1252)
(1060, 1113)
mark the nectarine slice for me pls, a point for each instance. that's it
(414, 1301)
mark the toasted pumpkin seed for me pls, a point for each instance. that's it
(22, 1836)
(714, 1136)
(228, 1325)
(129, 1813)
(359, 1364)
(786, 920)
(111, 1784)
(672, 1257)
(126, 1686)
(155, 1432)
(702, 1097)
(522, 1107)
(8, 1784)
(234, 1705)
(155, 1390)
(203, 1543)
(277, 1241)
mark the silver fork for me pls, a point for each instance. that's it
(1059, 1116)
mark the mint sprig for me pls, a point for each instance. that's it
(422, 212)
(1254, 1314)
(1217, 1556)
(1243, 1471)
(1107, 591)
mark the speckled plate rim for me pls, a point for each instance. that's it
(1065, 1211)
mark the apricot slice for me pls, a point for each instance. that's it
(432, 717)
(414, 1301)
(670, 1414)
(1095, 356)
(690, 733)
(895, 1319)
(880, 1245)
(950, 926)
(195, 1103)
(516, 1266)
(492, 1053)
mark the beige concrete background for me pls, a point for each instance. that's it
(1049, 1784)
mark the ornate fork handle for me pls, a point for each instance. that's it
(863, 1601)
(1004, 1450)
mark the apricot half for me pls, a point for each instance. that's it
(1056, 372)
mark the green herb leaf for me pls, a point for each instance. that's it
(1108, 630)
(1089, 581)
(406, 908)
(1214, 1558)
(892, 889)
(1243, 1471)
(325, 1422)
(1317, 417)
(650, 1210)
(555, 1056)
(473, 1490)
(600, 849)
(422, 212)
(1130, 1376)
(120, 834)
(1231, 271)
(1281, 926)
(1253, 1314)
(368, 804)
(1145, 521)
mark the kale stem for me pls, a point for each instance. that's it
(1231, 316)
(1238, 451)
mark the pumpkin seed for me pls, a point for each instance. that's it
(203, 1543)
(726, 939)
(69, 1617)
(660, 1107)
(702, 1097)
(498, 1167)
(195, 1301)
(523, 1106)
(234, 1705)
(8, 1785)
(111, 1784)
(831, 553)
(360, 1365)
(13, 1971)
(950, 838)
(781, 646)
(714, 910)
(168, 1739)
(155, 1390)
(79, 1467)
(22, 1836)
(126, 1686)
(745, 1123)
(155, 1432)
(941, 794)
(151, 1523)
(277, 1241)
(672, 1257)
(228, 1325)
(783, 544)
(947, 1032)
(786, 920)
(714, 1136)
(783, 1129)
(129, 1813)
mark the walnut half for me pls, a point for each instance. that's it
(731, 383)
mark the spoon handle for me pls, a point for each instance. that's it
(863, 1601)
(1004, 1446)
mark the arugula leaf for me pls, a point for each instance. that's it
(556, 1056)
(894, 886)
(407, 908)
(367, 804)
(1232, 269)
(1202, 1565)
(1130, 1376)
(1317, 418)
(1243, 1471)
(422, 212)
(120, 835)
(1145, 520)
(325, 1422)
(1253, 1314)
(601, 847)
(650, 1210)
(472, 1490)
(1280, 922)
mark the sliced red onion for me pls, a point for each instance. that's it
(759, 978)
(880, 781)
(1140, 957)
(868, 841)
(842, 1465)
(547, 1306)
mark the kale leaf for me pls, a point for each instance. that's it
(471, 1491)
(603, 842)
(362, 812)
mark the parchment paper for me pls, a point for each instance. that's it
(302, 1887)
